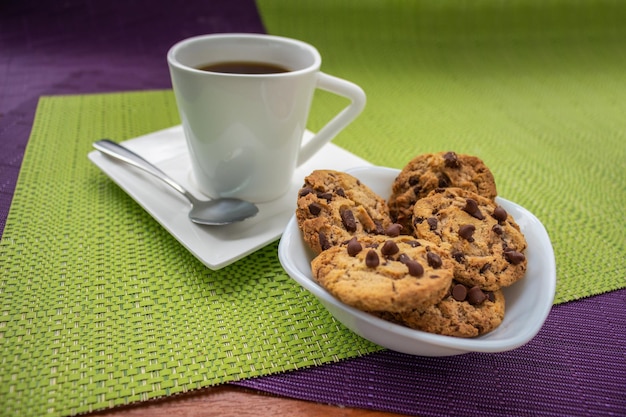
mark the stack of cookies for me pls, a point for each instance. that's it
(434, 256)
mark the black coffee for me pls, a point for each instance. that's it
(244, 67)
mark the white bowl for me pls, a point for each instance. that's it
(528, 301)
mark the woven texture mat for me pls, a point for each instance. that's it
(100, 306)
(571, 368)
(537, 89)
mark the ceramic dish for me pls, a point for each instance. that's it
(216, 247)
(528, 301)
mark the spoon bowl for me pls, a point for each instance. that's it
(221, 211)
(216, 212)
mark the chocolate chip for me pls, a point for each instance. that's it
(434, 260)
(393, 230)
(415, 269)
(340, 192)
(371, 259)
(466, 231)
(497, 229)
(432, 223)
(389, 248)
(354, 247)
(444, 181)
(471, 207)
(324, 243)
(348, 220)
(315, 208)
(451, 160)
(458, 256)
(500, 214)
(413, 243)
(414, 181)
(514, 257)
(379, 229)
(403, 257)
(459, 292)
(325, 196)
(305, 191)
(485, 268)
(490, 296)
(476, 296)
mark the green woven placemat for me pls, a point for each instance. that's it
(102, 307)
(536, 88)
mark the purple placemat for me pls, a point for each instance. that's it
(575, 366)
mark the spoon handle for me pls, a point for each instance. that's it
(124, 154)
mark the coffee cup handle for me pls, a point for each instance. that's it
(345, 117)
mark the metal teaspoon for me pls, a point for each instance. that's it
(219, 211)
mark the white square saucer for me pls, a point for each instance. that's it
(215, 246)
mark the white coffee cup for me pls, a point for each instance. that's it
(244, 131)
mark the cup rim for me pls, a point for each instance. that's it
(173, 60)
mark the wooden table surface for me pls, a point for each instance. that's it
(230, 400)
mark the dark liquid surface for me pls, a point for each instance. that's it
(243, 67)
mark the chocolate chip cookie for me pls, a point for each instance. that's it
(426, 172)
(463, 312)
(381, 273)
(334, 206)
(485, 242)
